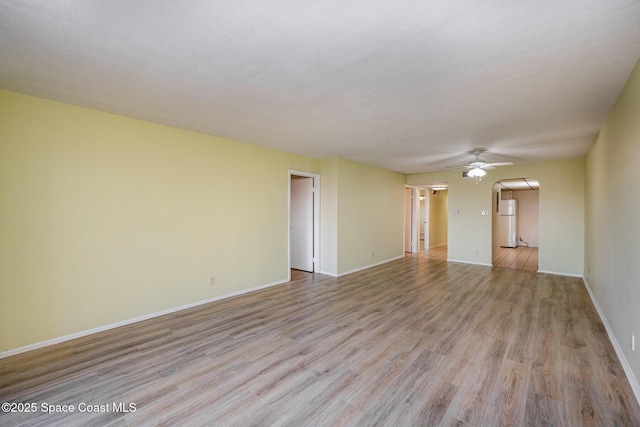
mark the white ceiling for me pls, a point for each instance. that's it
(519, 184)
(405, 85)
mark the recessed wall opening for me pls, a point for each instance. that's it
(515, 223)
(304, 202)
(426, 221)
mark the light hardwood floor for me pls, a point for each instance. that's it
(521, 257)
(436, 252)
(412, 342)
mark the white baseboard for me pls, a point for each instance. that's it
(326, 273)
(84, 333)
(369, 266)
(616, 345)
(80, 334)
(559, 273)
(469, 262)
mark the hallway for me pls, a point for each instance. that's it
(436, 252)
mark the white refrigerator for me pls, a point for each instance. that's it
(508, 226)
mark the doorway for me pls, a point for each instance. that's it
(426, 221)
(304, 214)
(438, 217)
(515, 223)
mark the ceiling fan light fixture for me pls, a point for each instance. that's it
(476, 173)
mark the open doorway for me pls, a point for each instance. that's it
(515, 223)
(437, 223)
(426, 221)
(304, 230)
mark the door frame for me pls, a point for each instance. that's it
(424, 213)
(414, 219)
(416, 190)
(316, 219)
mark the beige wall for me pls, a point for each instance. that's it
(370, 215)
(407, 218)
(561, 215)
(362, 212)
(105, 218)
(329, 217)
(612, 261)
(438, 217)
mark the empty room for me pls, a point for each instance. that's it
(319, 213)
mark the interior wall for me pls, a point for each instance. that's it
(495, 224)
(438, 218)
(329, 216)
(612, 226)
(561, 213)
(407, 219)
(105, 218)
(370, 215)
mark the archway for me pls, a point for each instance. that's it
(515, 223)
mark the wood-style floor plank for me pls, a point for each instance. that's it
(417, 341)
(520, 257)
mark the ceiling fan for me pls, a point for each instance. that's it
(478, 168)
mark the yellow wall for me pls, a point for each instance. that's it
(612, 266)
(370, 215)
(105, 218)
(329, 217)
(438, 217)
(561, 215)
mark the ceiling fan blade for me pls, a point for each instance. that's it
(477, 163)
(499, 164)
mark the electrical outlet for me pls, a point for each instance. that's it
(633, 342)
(371, 253)
(212, 280)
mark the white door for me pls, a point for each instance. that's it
(301, 225)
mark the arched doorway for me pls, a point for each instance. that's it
(515, 223)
